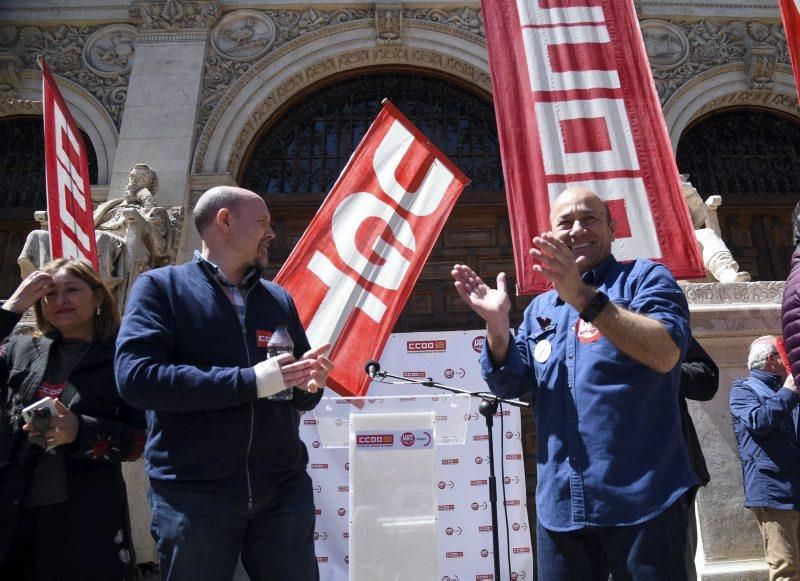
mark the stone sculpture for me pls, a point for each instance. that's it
(717, 258)
(133, 234)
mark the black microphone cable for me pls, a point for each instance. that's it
(503, 477)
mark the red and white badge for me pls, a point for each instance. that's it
(586, 332)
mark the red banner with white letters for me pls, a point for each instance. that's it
(356, 264)
(69, 199)
(790, 13)
(576, 105)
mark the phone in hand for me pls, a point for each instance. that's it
(39, 415)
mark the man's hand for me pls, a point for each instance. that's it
(492, 305)
(310, 372)
(554, 259)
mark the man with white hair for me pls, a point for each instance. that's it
(765, 412)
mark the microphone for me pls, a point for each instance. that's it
(372, 368)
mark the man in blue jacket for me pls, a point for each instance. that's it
(600, 353)
(226, 465)
(764, 412)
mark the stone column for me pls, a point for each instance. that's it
(726, 318)
(158, 124)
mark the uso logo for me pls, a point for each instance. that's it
(408, 439)
(477, 343)
(426, 346)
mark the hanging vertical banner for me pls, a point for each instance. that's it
(360, 257)
(790, 13)
(576, 106)
(69, 199)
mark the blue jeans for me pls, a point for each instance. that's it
(650, 551)
(200, 534)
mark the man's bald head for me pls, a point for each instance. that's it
(579, 194)
(215, 199)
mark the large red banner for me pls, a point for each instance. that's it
(576, 105)
(790, 12)
(69, 199)
(357, 262)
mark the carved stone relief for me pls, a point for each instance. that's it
(109, 51)
(466, 19)
(243, 35)
(9, 82)
(63, 48)
(175, 15)
(712, 45)
(389, 24)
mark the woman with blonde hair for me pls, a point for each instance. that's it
(63, 503)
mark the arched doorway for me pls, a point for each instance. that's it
(22, 179)
(750, 157)
(297, 159)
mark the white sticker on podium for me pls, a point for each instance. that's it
(394, 439)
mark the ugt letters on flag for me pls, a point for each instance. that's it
(69, 199)
(357, 262)
(576, 106)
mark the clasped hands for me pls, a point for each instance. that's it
(308, 373)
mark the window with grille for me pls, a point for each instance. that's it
(306, 150)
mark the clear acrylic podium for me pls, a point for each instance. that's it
(393, 508)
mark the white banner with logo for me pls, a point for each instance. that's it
(465, 522)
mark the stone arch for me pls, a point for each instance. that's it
(87, 111)
(724, 87)
(319, 57)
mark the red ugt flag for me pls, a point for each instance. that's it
(69, 199)
(790, 12)
(576, 106)
(357, 262)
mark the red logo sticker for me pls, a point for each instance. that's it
(262, 338)
(586, 332)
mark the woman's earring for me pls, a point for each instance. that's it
(97, 311)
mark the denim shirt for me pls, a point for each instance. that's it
(610, 450)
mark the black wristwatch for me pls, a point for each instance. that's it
(597, 304)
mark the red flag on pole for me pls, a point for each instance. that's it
(357, 262)
(576, 105)
(69, 199)
(790, 12)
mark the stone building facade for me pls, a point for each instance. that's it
(273, 96)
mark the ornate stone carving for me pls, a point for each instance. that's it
(176, 14)
(109, 51)
(763, 60)
(389, 24)
(467, 19)
(712, 45)
(665, 43)
(63, 50)
(9, 83)
(226, 64)
(243, 35)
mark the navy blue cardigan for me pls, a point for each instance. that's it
(183, 356)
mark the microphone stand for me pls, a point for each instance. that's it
(487, 408)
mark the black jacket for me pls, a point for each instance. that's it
(699, 381)
(109, 432)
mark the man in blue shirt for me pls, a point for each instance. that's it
(600, 353)
(764, 413)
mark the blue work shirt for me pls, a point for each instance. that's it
(610, 450)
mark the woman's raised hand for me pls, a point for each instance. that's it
(34, 287)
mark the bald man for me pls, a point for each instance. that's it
(600, 355)
(226, 465)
